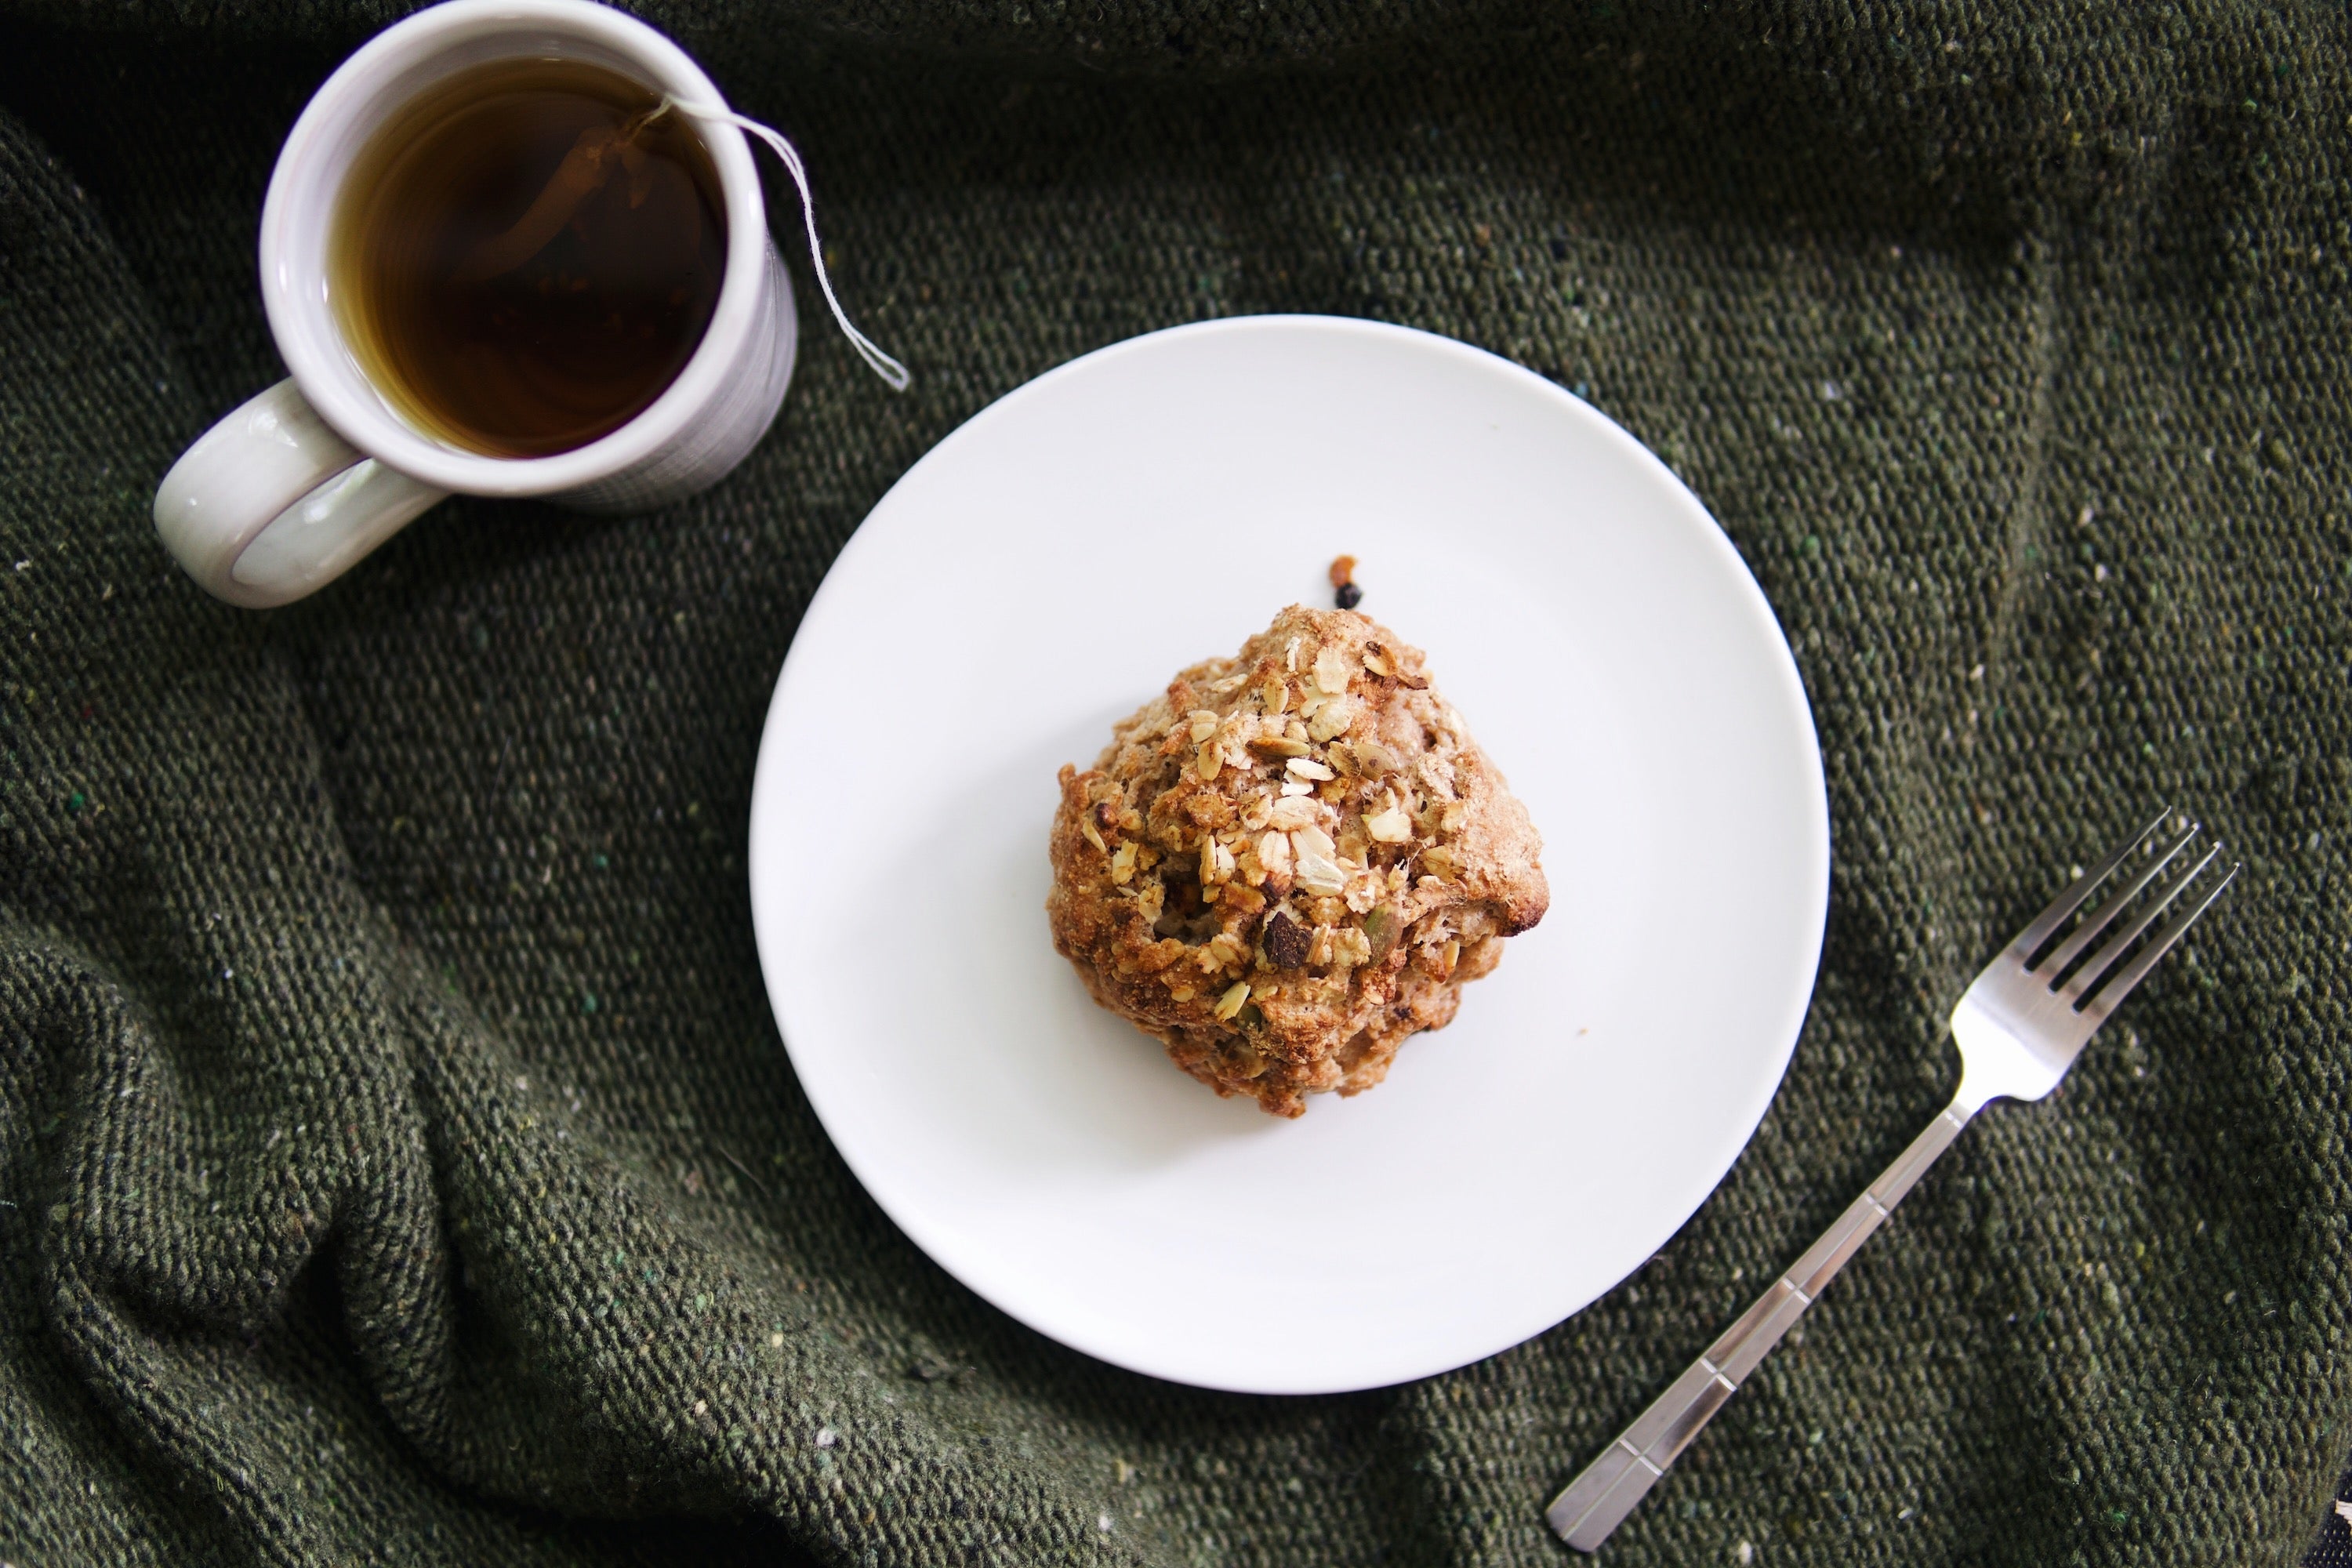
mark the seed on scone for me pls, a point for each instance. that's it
(1382, 662)
(1278, 906)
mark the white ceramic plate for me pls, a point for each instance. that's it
(1046, 569)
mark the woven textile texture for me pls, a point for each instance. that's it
(398, 1163)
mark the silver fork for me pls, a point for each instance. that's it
(2020, 1027)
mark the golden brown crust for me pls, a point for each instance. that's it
(1283, 944)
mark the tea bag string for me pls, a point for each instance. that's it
(871, 353)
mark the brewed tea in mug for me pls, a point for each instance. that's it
(527, 254)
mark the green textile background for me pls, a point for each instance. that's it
(397, 1159)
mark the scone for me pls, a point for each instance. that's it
(1290, 861)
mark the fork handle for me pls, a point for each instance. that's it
(1599, 1497)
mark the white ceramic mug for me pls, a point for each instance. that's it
(286, 493)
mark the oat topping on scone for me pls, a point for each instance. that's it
(1290, 861)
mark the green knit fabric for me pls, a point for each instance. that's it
(398, 1162)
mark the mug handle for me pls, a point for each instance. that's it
(271, 504)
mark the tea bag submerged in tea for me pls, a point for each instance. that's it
(584, 171)
(588, 168)
(533, 252)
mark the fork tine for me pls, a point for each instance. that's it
(2097, 920)
(2100, 963)
(2066, 903)
(2112, 993)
